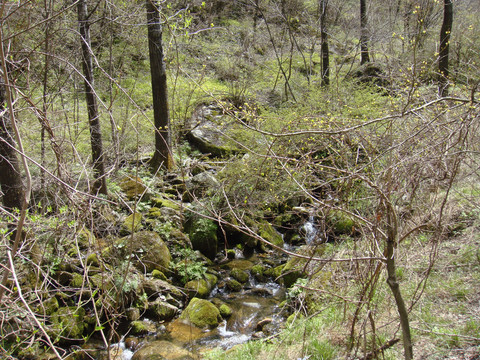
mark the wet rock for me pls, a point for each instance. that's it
(132, 342)
(180, 331)
(201, 185)
(234, 285)
(239, 275)
(142, 327)
(240, 264)
(132, 314)
(161, 202)
(262, 323)
(201, 313)
(161, 310)
(155, 287)
(201, 288)
(160, 350)
(257, 272)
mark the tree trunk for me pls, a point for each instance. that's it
(444, 47)
(363, 33)
(162, 158)
(99, 184)
(325, 54)
(393, 283)
(10, 176)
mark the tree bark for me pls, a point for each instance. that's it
(10, 176)
(162, 158)
(325, 54)
(445, 32)
(364, 56)
(99, 184)
(393, 283)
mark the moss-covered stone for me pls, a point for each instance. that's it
(257, 272)
(132, 223)
(157, 274)
(231, 254)
(132, 187)
(140, 327)
(150, 250)
(201, 313)
(225, 311)
(341, 223)
(234, 285)
(203, 235)
(239, 275)
(274, 272)
(77, 280)
(268, 232)
(201, 288)
(160, 202)
(68, 322)
(161, 310)
(240, 264)
(92, 259)
(48, 306)
(162, 350)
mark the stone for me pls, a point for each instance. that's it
(240, 264)
(68, 322)
(201, 287)
(142, 327)
(161, 310)
(132, 314)
(225, 311)
(162, 350)
(132, 187)
(132, 223)
(234, 285)
(201, 313)
(156, 287)
(203, 235)
(150, 250)
(239, 275)
(157, 274)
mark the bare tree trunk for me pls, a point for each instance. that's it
(10, 176)
(325, 54)
(444, 47)
(99, 184)
(162, 158)
(363, 33)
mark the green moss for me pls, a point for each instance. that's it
(68, 322)
(225, 311)
(141, 327)
(199, 288)
(157, 274)
(92, 259)
(133, 222)
(77, 280)
(201, 313)
(234, 285)
(268, 232)
(162, 202)
(239, 275)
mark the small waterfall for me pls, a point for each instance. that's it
(310, 230)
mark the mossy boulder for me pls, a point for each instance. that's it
(234, 285)
(157, 274)
(155, 287)
(68, 322)
(160, 202)
(132, 187)
(142, 327)
(341, 223)
(132, 223)
(161, 310)
(201, 288)
(201, 313)
(150, 251)
(239, 275)
(257, 272)
(268, 232)
(203, 235)
(240, 264)
(225, 311)
(48, 306)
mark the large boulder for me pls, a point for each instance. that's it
(150, 250)
(203, 235)
(201, 313)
